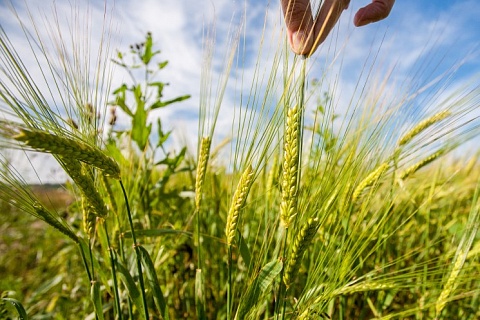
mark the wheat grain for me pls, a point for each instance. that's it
(238, 202)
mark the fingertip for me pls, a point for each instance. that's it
(359, 19)
(300, 43)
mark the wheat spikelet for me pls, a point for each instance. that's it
(271, 178)
(111, 196)
(69, 148)
(363, 287)
(238, 202)
(369, 180)
(417, 166)
(89, 218)
(288, 205)
(300, 245)
(422, 126)
(86, 185)
(201, 169)
(41, 212)
(450, 285)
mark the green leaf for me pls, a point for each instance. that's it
(155, 233)
(162, 136)
(160, 86)
(140, 129)
(152, 281)
(120, 99)
(132, 289)
(148, 54)
(97, 299)
(174, 162)
(259, 286)
(160, 104)
(22, 314)
(244, 251)
(162, 65)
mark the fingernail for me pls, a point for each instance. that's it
(298, 39)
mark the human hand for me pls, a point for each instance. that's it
(305, 34)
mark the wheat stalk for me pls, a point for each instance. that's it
(238, 202)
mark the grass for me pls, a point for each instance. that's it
(308, 218)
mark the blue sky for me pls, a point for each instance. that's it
(418, 41)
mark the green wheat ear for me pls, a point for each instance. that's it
(300, 245)
(86, 185)
(369, 180)
(423, 125)
(202, 169)
(238, 202)
(69, 148)
(288, 206)
(422, 163)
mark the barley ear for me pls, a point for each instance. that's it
(450, 284)
(300, 245)
(369, 180)
(417, 166)
(86, 185)
(69, 148)
(422, 126)
(42, 213)
(89, 218)
(238, 202)
(110, 193)
(201, 169)
(288, 205)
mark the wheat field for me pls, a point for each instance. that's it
(301, 213)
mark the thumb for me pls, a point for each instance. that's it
(375, 11)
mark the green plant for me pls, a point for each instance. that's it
(370, 219)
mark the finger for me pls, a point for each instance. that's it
(328, 16)
(299, 22)
(304, 34)
(375, 11)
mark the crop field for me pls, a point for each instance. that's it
(302, 213)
